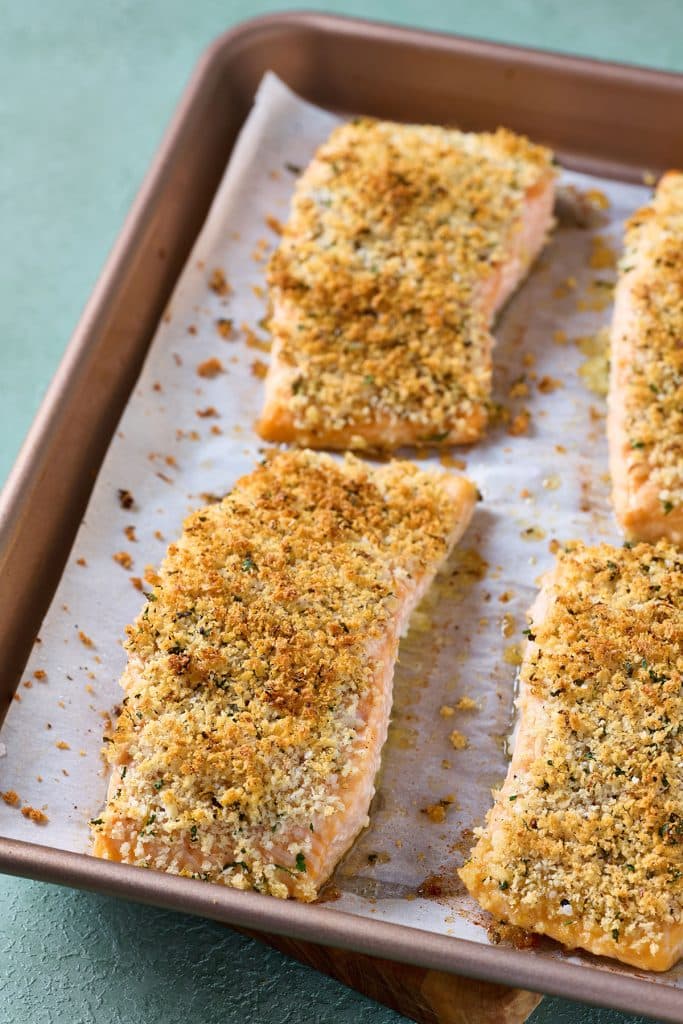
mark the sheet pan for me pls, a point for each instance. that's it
(381, 888)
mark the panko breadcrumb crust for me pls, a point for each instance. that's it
(585, 840)
(379, 285)
(646, 395)
(253, 659)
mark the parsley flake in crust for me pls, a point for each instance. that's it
(645, 422)
(585, 840)
(403, 242)
(258, 688)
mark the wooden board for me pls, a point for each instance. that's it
(428, 997)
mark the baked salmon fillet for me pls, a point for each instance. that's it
(258, 686)
(645, 422)
(403, 242)
(585, 840)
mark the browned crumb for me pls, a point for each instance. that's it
(61, 745)
(11, 798)
(124, 559)
(159, 535)
(435, 812)
(458, 740)
(84, 638)
(39, 817)
(507, 625)
(259, 369)
(130, 533)
(40, 674)
(156, 386)
(126, 499)
(467, 703)
(547, 385)
(257, 290)
(206, 413)
(192, 329)
(596, 197)
(445, 764)
(602, 255)
(137, 582)
(81, 561)
(446, 711)
(506, 596)
(520, 423)
(452, 461)
(499, 932)
(151, 576)
(274, 224)
(519, 389)
(218, 282)
(253, 340)
(28, 684)
(210, 367)
(532, 533)
(224, 328)
(215, 429)
(563, 289)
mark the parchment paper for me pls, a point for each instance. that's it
(550, 482)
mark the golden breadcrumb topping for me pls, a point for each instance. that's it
(653, 397)
(393, 233)
(593, 828)
(255, 658)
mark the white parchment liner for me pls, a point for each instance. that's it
(548, 483)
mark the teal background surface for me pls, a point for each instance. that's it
(86, 90)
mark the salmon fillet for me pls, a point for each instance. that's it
(258, 687)
(585, 840)
(645, 422)
(402, 244)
